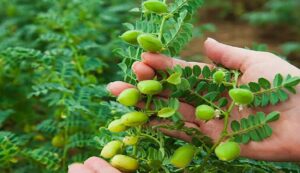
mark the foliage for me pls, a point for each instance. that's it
(154, 150)
(56, 58)
(279, 14)
(53, 57)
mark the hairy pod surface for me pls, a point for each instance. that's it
(116, 126)
(155, 6)
(129, 97)
(124, 163)
(205, 112)
(219, 76)
(241, 96)
(183, 156)
(133, 119)
(228, 151)
(150, 43)
(111, 149)
(130, 140)
(150, 87)
(131, 36)
(58, 141)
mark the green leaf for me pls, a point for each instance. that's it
(257, 101)
(174, 78)
(283, 96)
(174, 103)
(268, 130)
(265, 99)
(291, 82)
(254, 87)
(290, 89)
(166, 112)
(196, 70)
(278, 80)
(254, 127)
(261, 116)
(264, 83)
(223, 102)
(245, 138)
(274, 99)
(212, 95)
(206, 72)
(187, 71)
(184, 84)
(273, 116)
(193, 80)
(201, 86)
(254, 135)
(235, 125)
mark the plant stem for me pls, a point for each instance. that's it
(149, 98)
(207, 101)
(225, 83)
(162, 27)
(224, 133)
(151, 137)
(65, 152)
(244, 130)
(268, 90)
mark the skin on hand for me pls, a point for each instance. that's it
(92, 165)
(281, 146)
(284, 143)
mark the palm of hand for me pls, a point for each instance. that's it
(253, 65)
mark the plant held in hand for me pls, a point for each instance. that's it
(214, 92)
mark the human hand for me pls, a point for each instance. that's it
(92, 165)
(282, 145)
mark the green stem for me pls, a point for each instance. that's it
(77, 61)
(149, 98)
(236, 77)
(65, 152)
(268, 90)
(134, 150)
(225, 83)
(166, 16)
(162, 27)
(244, 130)
(224, 133)
(151, 137)
(207, 101)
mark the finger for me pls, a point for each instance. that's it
(115, 88)
(100, 165)
(143, 71)
(162, 62)
(229, 56)
(79, 168)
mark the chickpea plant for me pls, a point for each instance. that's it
(137, 147)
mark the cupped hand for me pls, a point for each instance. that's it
(92, 165)
(284, 143)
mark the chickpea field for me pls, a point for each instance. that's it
(69, 90)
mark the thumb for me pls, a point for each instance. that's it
(229, 56)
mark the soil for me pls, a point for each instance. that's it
(240, 34)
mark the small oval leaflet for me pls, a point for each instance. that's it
(166, 112)
(174, 78)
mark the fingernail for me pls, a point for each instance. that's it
(211, 39)
(133, 67)
(143, 55)
(108, 86)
